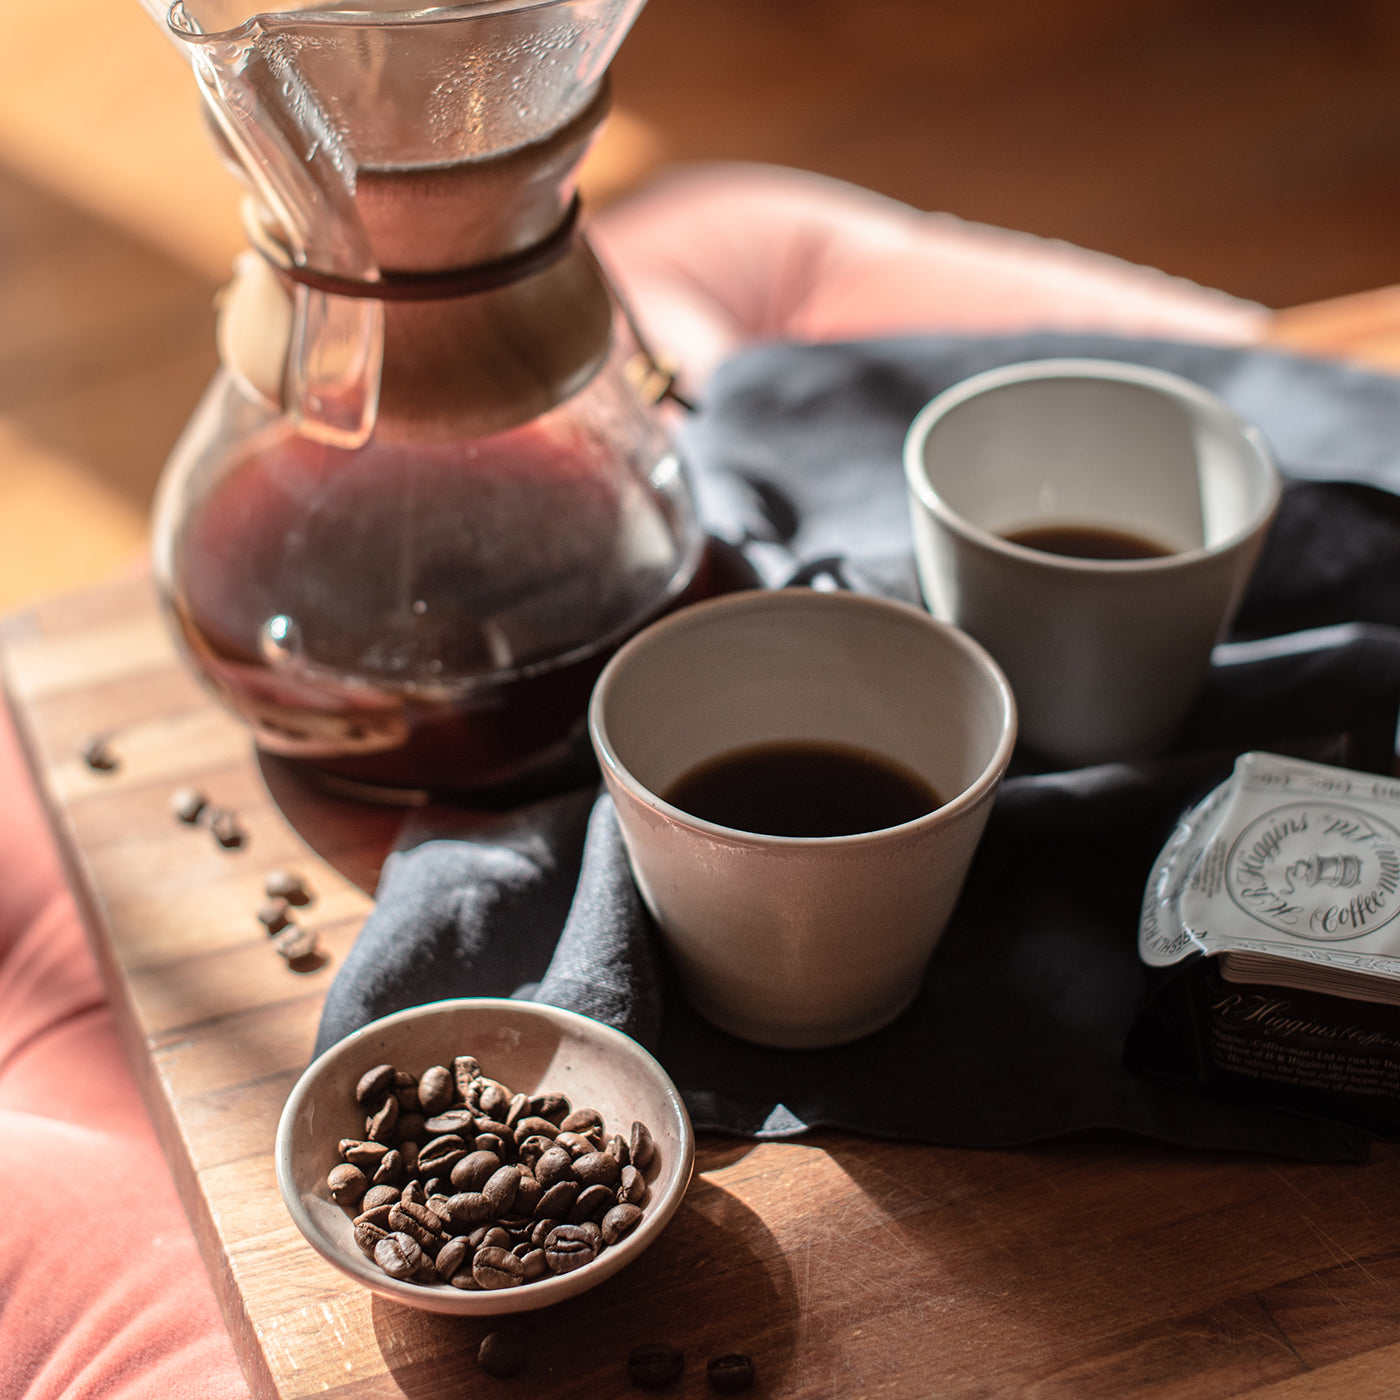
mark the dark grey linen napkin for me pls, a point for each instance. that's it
(1018, 1031)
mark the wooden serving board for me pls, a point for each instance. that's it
(1095, 1267)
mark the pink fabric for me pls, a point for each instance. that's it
(117, 1306)
(716, 256)
(109, 1299)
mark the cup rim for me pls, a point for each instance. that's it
(1123, 371)
(745, 600)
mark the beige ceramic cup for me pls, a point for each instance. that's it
(1104, 656)
(788, 941)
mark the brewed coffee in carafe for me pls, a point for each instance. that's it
(429, 490)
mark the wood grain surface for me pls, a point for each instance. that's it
(1092, 1267)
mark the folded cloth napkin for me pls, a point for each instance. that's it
(1018, 1031)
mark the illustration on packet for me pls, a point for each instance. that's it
(1285, 859)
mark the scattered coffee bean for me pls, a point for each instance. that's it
(486, 1203)
(731, 1373)
(503, 1353)
(654, 1365)
(273, 915)
(288, 885)
(98, 755)
(295, 943)
(187, 804)
(225, 828)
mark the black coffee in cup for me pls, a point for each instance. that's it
(803, 788)
(1088, 542)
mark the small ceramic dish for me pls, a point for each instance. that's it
(525, 1045)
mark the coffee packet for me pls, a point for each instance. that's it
(1271, 924)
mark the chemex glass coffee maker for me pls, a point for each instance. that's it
(430, 489)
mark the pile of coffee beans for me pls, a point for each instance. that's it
(458, 1180)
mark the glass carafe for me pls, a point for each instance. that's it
(430, 489)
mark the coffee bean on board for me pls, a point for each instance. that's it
(226, 828)
(273, 915)
(98, 755)
(288, 885)
(187, 804)
(503, 1352)
(731, 1373)
(654, 1365)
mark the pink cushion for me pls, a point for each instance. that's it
(715, 256)
(117, 1306)
(711, 258)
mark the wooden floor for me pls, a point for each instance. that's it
(1249, 144)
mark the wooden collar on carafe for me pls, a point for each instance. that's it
(437, 285)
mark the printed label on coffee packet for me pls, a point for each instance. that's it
(1285, 858)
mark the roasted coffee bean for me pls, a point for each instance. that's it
(444, 1142)
(497, 1237)
(411, 1125)
(597, 1169)
(493, 1267)
(592, 1204)
(469, 1208)
(414, 1194)
(453, 1120)
(575, 1144)
(535, 1264)
(465, 1281)
(400, 1256)
(527, 1195)
(632, 1187)
(620, 1221)
(441, 1163)
(500, 1188)
(533, 1148)
(364, 1154)
(367, 1236)
(616, 1146)
(655, 1365)
(376, 1196)
(474, 1170)
(435, 1089)
(554, 1165)
(640, 1146)
(374, 1084)
(453, 1257)
(558, 1200)
(376, 1215)
(288, 885)
(539, 1230)
(226, 828)
(553, 1107)
(380, 1125)
(187, 804)
(583, 1120)
(731, 1373)
(492, 1143)
(348, 1184)
(519, 1106)
(390, 1171)
(273, 915)
(465, 1072)
(493, 1099)
(419, 1221)
(592, 1233)
(295, 944)
(503, 1353)
(569, 1247)
(98, 755)
(496, 1128)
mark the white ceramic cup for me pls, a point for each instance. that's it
(785, 940)
(1104, 656)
